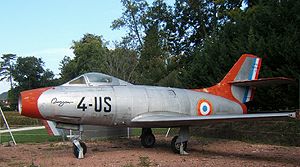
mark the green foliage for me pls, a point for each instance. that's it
(255, 30)
(152, 61)
(6, 67)
(6, 70)
(4, 108)
(29, 73)
(133, 19)
(193, 44)
(122, 63)
(67, 67)
(92, 55)
(285, 132)
(13, 95)
(89, 52)
(15, 120)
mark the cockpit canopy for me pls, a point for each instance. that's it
(95, 79)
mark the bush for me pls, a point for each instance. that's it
(15, 119)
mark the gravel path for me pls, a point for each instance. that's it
(124, 152)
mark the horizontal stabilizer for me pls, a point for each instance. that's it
(263, 82)
(165, 119)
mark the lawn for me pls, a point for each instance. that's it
(31, 136)
(155, 131)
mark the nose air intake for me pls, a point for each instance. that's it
(28, 103)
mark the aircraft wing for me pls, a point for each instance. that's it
(263, 82)
(170, 119)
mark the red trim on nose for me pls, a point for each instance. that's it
(29, 102)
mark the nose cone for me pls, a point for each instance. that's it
(28, 102)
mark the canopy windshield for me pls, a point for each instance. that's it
(95, 79)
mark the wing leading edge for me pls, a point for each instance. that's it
(169, 119)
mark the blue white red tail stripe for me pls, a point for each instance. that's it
(252, 76)
(255, 69)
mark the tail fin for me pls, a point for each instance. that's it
(239, 83)
(246, 68)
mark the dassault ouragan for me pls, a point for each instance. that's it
(99, 99)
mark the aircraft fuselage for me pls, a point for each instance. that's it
(118, 105)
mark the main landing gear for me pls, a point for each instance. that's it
(147, 138)
(178, 143)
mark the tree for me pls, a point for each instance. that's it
(67, 69)
(151, 65)
(7, 68)
(29, 73)
(90, 54)
(133, 18)
(254, 30)
(122, 62)
(48, 78)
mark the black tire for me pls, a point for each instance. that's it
(76, 150)
(84, 147)
(176, 147)
(148, 140)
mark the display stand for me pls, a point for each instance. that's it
(7, 126)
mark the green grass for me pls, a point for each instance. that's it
(160, 131)
(31, 136)
(16, 120)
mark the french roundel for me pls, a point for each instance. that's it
(204, 107)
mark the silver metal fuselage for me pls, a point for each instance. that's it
(118, 105)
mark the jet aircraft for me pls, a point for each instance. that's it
(99, 99)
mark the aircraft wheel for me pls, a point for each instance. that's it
(76, 150)
(148, 140)
(176, 147)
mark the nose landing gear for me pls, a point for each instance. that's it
(79, 148)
